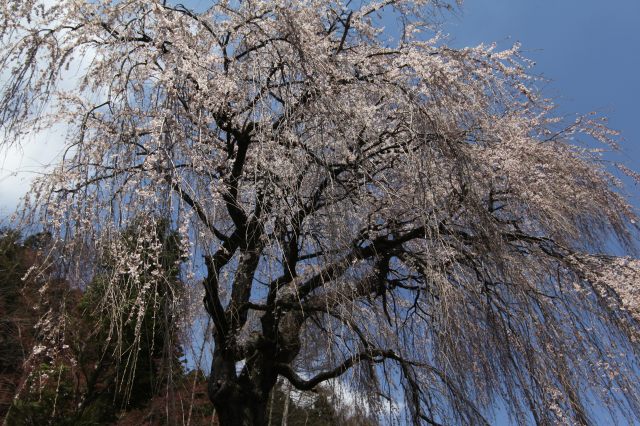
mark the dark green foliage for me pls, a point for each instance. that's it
(16, 316)
(130, 371)
(53, 404)
(93, 378)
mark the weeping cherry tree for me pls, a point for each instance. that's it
(360, 207)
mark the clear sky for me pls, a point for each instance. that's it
(589, 50)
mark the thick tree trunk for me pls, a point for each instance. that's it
(241, 400)
(242, 412)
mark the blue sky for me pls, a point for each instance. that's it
(588, 50)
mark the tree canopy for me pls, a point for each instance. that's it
(357, 206)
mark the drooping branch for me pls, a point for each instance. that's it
(197, 208)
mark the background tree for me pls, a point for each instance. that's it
(66, 366)
(374, 208)
(16, 316)
(110, 338)
(32, 329)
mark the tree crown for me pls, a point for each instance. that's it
(390, 212)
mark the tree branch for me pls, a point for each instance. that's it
(196, 208)
(375, 355)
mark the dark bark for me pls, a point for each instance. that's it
(242, 399)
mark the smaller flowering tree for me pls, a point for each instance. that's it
(404, 218)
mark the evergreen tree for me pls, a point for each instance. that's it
(93, 378)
